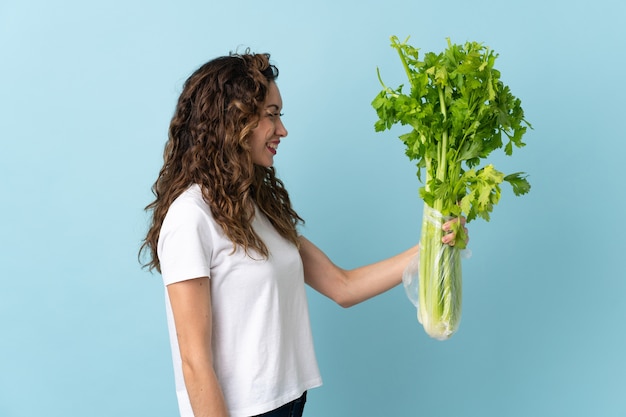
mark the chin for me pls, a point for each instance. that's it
(264, 164)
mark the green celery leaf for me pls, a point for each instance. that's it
(519, 183)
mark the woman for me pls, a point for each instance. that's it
(224, 238)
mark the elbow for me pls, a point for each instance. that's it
(345, 294)
(194, 366)
(196, 362)
(346, 304)
(337, 286)
(345, 300)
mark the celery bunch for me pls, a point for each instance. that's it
(459, 112)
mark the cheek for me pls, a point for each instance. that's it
(263, 132)
(257, 142)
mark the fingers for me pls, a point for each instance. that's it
(450, 227)
(449, 239)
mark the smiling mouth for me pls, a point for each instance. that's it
(272, 147)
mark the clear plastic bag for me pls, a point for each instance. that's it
(433, 279)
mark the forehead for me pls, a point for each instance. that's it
(273, 96)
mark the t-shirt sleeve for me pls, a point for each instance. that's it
(184, 246)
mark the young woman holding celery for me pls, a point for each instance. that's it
(224, 238)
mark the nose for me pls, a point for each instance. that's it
(280, 128)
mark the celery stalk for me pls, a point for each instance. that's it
(440, 279)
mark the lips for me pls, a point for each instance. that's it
(272, 146)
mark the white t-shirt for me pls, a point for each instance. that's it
(262, 344)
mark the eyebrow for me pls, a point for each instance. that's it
(272, 105)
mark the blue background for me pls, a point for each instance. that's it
(86, 93)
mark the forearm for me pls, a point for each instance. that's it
(350, 287)
(192, 310)
(204, 390)
(368, 281)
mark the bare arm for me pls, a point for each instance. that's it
(350, 287)
(191, 306)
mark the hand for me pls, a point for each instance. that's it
(456, 233)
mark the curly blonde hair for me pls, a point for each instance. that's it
(218, 109)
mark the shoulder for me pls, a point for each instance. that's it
(190, 200)
(189, 207)
(186, 238)
(189, 215)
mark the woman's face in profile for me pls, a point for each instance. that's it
(266, 136)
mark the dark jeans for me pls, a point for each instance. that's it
(292, 409)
